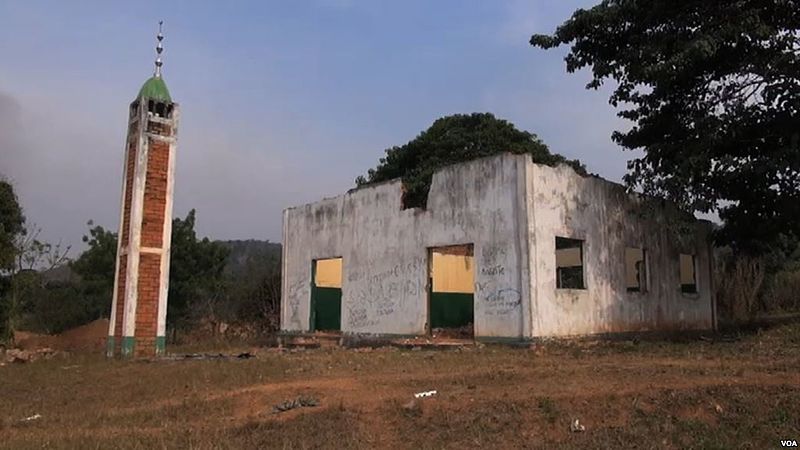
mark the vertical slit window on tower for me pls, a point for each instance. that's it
(569, 263)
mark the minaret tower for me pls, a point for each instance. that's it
(141, 281)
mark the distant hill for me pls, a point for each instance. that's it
(251, 250)
(241, 252)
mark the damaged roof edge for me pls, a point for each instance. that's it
(590, 177)
(400, 179)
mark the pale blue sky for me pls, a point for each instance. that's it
(282, 102)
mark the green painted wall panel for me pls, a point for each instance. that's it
(128, 345)
(110, 346)
(326, 308)
(161, 345)
(451, 310)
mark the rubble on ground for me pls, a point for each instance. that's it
(20, 356)
(299, 402)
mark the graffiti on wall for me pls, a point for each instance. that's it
(297, 292)
(498, 297)
(374, 295)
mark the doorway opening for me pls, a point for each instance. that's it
(326, 294)
(451, 296)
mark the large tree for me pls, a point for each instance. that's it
(12, 224)
(713, 90)
(196, 277)
(196, 272)
(96, 266)
(454, 139)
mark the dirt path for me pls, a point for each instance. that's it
(649, 395)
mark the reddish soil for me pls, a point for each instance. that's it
(86, 338)
(693, 394)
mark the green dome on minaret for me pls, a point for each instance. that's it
(156, 89)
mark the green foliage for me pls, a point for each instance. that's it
(12, 224)
(252, 284)
(95, 267)
(454, 139)
(196, 272)
(54, 307)
(35, 261)
(713, 89)
(69, 295)
(51, 303)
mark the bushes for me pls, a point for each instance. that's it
(748, 286)
(783, 291)
(58, 307)
(739, 280)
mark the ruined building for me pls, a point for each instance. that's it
(505, 248)
(141, 280)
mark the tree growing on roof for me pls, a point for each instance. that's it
(454, 139)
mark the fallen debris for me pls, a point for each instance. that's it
(36, 416)
(19, 356)
(425, 394)
(721, 338)
(576, 426)
(245, 355)
(299, 402)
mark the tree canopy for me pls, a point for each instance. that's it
(454, 139)
(95, 267)
(12, 224)
(196, 269)
(713, 90)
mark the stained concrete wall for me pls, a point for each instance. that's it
(511, 210)
(384, 250)
(562, 203)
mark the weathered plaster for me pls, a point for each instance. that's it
(166, 241)
(510, 210)
(608, 220)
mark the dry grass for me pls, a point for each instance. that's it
(693, 394)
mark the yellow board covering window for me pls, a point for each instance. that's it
(328, 273)
(453, 273)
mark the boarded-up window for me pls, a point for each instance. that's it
(453, 273)
(635, 270)
(569, 263)
(328, 273)
(688, 274)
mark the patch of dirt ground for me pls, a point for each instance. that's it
(693, 394)
(90, 337)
